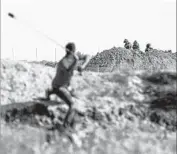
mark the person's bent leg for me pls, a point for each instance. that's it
(68, 121)
(65, 95)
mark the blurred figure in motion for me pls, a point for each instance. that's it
(61, 82)
(127, 45)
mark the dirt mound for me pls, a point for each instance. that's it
(120, 58)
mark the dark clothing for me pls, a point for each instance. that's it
(128, 45)
(148, 49)
(63, 93)
(65, 68)
(64, 72)
(136, 46)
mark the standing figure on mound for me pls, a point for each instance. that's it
(148, 47)
(136, 45)
(127, 45)
(61, 81)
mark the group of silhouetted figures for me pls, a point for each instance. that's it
(136, 46)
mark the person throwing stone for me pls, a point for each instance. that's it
(64, 73)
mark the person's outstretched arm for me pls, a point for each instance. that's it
(86, 59)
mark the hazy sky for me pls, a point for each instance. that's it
(94, 25)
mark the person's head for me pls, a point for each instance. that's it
(148, 45)
(125, 41)
(70, 48)
(135, 42)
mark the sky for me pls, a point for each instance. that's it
(94, 26)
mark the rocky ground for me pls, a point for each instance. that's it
(119, 112)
